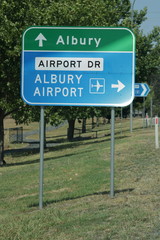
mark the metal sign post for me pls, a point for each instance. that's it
(144, 110)
(151, 110)
(131, 117)
(156, 133)
(41, 158)
(112, 153)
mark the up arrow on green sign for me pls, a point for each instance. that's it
(40, 38)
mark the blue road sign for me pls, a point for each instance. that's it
(141, 89)
(67, 74)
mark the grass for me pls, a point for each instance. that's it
(77, 204)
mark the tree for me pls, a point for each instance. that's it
(147, 52)
(16, 16)
(9, 67)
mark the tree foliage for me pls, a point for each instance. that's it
(16, 16)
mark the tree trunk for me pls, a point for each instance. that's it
(104, 121)
(92, 122)
(2, 162)
(97, 122)
(84, 125)
(70, 133)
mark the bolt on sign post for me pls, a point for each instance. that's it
(78, 66)
(156, 132)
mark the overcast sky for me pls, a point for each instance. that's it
(153, 14)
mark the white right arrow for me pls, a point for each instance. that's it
(144, 89)
(119, 86)
(40, 38)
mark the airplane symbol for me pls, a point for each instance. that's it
(98, 85)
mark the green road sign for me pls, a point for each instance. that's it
(77, 39)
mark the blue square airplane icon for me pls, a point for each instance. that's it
(97, 85)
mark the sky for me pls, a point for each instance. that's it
(153, 13)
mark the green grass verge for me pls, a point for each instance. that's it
(77, 204)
